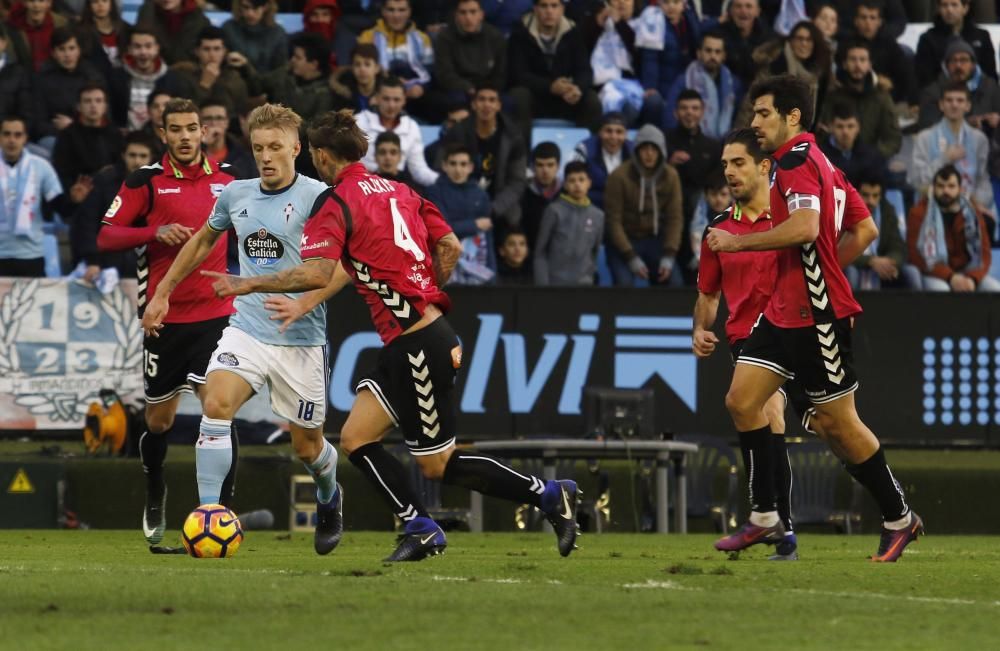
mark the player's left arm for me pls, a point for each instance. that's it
(801, 227)
(316, 273)
(855, 240)
(444, 244)
(289, 310)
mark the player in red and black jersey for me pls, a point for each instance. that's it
(156, 210)
(805, 331)
(399, 251)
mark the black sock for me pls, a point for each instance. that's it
(491, 477)
(756, 446)
(387, 473)
(874, 474)
(782, 480)
(229, 483)
(153, 450)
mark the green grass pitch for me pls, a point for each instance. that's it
(104, 590)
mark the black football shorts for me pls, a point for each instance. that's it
(178, 358)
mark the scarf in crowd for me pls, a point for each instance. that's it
(610, 57)
(415, 54)
(931, 239)
(18, 191)
(719, 99)
(651, 29)
(943, 137)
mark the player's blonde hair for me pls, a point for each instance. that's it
(274, 116)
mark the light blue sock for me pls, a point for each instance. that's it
(324, 472)
(213, 458)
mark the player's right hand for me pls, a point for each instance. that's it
(286, 310)
(703, 342)
(174, 234)
(226, 284)
(152, 317)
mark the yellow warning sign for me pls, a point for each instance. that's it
(20, 483)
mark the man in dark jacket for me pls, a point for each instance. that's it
(88, 144)
(893, 13)
(883, 263)
(603, 152)
(952, 20)
(744, 31)
(221, 145)
(854, 158)
(15, 90)
(215, 75)
(470, 53)
(551, 65)
(960, 65)
(498, 153)
(57, 86)
(176, 23)
(142, 70)
(888, 58)
(542, 189)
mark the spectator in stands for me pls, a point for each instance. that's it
(883, 263)
(354, 87)
(890, 63)
(570, 234)
(139, 150)
(744, 32)
(407, 53)
(551, 67)
(434, 152)
(37, 23)
(156, 102)
(29, 186)
(948, 239)
(57, 86)
(302, 84)
(222, 146)
(141, 71)
(89, 143)
(718, 88)
(952, 141)
(103, 34)
(505, 15)
(696, 158)
(15, 80)
(715, 198)
(602, 153)
(825, 18)
(542, 188)
(466, 207)
(643, 205)
(514, 266)
(499, 155)
(216, 74)
(253, 33)
(952, 21)
(387, 115)
(470, 53)
(177, 25)
(960, 65)
(893, 16)
(855, 159)
(873, 105)
(666, 42)
(433, 16)
(388, 155)
(803, 52)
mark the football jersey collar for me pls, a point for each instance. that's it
(797, 140)
(738, 214)
(350, 170)
(187, 171)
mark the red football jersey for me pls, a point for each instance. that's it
(811, 286)
(384, 234)
(746, 279)
(162, 194)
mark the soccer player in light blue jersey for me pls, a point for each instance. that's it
(268, 215)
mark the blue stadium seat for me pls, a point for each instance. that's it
(566, 137)
(895, 199)
(604, 278)
(995, 264)
(430, 133)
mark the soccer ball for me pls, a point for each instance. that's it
(212, 531)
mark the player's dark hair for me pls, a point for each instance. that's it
(210, 33)
(314, 48)
(748, 139)
(60, 36)
(844, 111)
(388, 81)
(575, 167)
(947, 172)
(455, 148)
(339, 134)
(690, 93)
(91, 86)
(387, 138)
(790, 92)
(956, 86)
(180, 105)
(546, 150)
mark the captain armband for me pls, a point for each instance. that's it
(798, 201)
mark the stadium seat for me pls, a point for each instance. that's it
(430, 133)
(815, 473)
(895, 199)
(604, 278)
(995, 264)
(702, 471)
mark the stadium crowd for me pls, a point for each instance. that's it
(657, 84)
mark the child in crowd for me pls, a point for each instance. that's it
(570, 235)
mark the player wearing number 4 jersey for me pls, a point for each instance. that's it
(805, 331)
(268, 215)
(156, 210)
(399, 251)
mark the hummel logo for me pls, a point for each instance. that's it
(168, 190)
(430, 537)
(567, 512)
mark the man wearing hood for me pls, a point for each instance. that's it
(642, 203)
(874, 106)
(952, 21)
(469, 53)
(142, 70)
(551, 65)
(960, 65)
(176, 23)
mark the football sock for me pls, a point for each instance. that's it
(214, 459)
(153, 450)
(229, 483)
(874, 475)
(491, 477)
(758, 456)
(388, 475)
(324, 472)
(782, 480)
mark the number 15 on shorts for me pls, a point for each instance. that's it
(306, 410)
